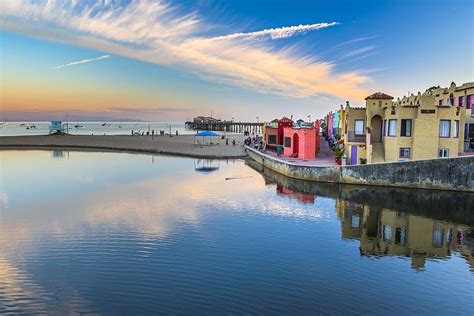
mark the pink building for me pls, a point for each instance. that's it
(300, 142)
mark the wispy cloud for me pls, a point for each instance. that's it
(358, 51)
(356, 40)
(158, 32)
(83, 61)
(277, 33)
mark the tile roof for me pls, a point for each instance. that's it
(379, 95)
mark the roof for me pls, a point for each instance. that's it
(285, 119)
(379, 95)
(206, 133)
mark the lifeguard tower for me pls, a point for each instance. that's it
(56, 127)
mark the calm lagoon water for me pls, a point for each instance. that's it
(110, 233)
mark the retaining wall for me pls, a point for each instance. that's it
(440, 174)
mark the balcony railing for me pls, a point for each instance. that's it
(355, 138)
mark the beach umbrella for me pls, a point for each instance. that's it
(204, 134)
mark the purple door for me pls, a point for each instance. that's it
(353, 155)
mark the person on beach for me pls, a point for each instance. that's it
(233, 142)
(227, 142)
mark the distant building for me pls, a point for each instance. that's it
(422, 126)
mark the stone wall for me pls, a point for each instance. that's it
(439, 174)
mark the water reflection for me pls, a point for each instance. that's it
(206, 165)
(111, 233)
(384, 232)
(386, 221)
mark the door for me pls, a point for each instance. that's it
(354, 155)
(296, 143)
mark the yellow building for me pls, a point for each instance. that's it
(422, 126)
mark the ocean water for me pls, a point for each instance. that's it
(96, 128)
(130, 234)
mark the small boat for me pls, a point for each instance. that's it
(78, 125)
(105, 124)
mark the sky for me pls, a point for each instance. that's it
(241, 59)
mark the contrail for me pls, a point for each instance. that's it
(82, 61)
(277, 33)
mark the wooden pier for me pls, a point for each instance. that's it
(226, 126)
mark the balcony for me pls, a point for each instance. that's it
(355, 138)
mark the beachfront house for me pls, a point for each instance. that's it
(422, 126)
(274, 132)
(300, 141)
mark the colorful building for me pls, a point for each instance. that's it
(300, 142)
(274, 132)
(422, 126)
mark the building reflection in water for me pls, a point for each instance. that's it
(305, 198)
(386, 232)
(393, 222)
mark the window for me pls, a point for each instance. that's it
(443, 153)
(392, 128)
(461, 101)
(287, 141)
(387, 233)
(441, 102)
(438, 236)
(359, 127)
(444, 128)
(400, 236)
(406, 128)
(456, 129)
(405, 152)
(355, 220)
(272, 139)
(470, 101)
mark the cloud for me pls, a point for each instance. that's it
(356, 40)
(358, 51)
(159, 33)
(82, 61)
(277, 33)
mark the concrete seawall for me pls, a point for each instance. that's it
(455, 174)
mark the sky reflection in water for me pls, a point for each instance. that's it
(122, 233)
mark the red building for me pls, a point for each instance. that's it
(274, 132)
(301, 142)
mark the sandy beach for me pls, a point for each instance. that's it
(182, 145)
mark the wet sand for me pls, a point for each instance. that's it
(182, 145)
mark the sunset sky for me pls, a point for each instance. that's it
(172, 60)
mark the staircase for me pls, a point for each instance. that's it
(378, 153)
